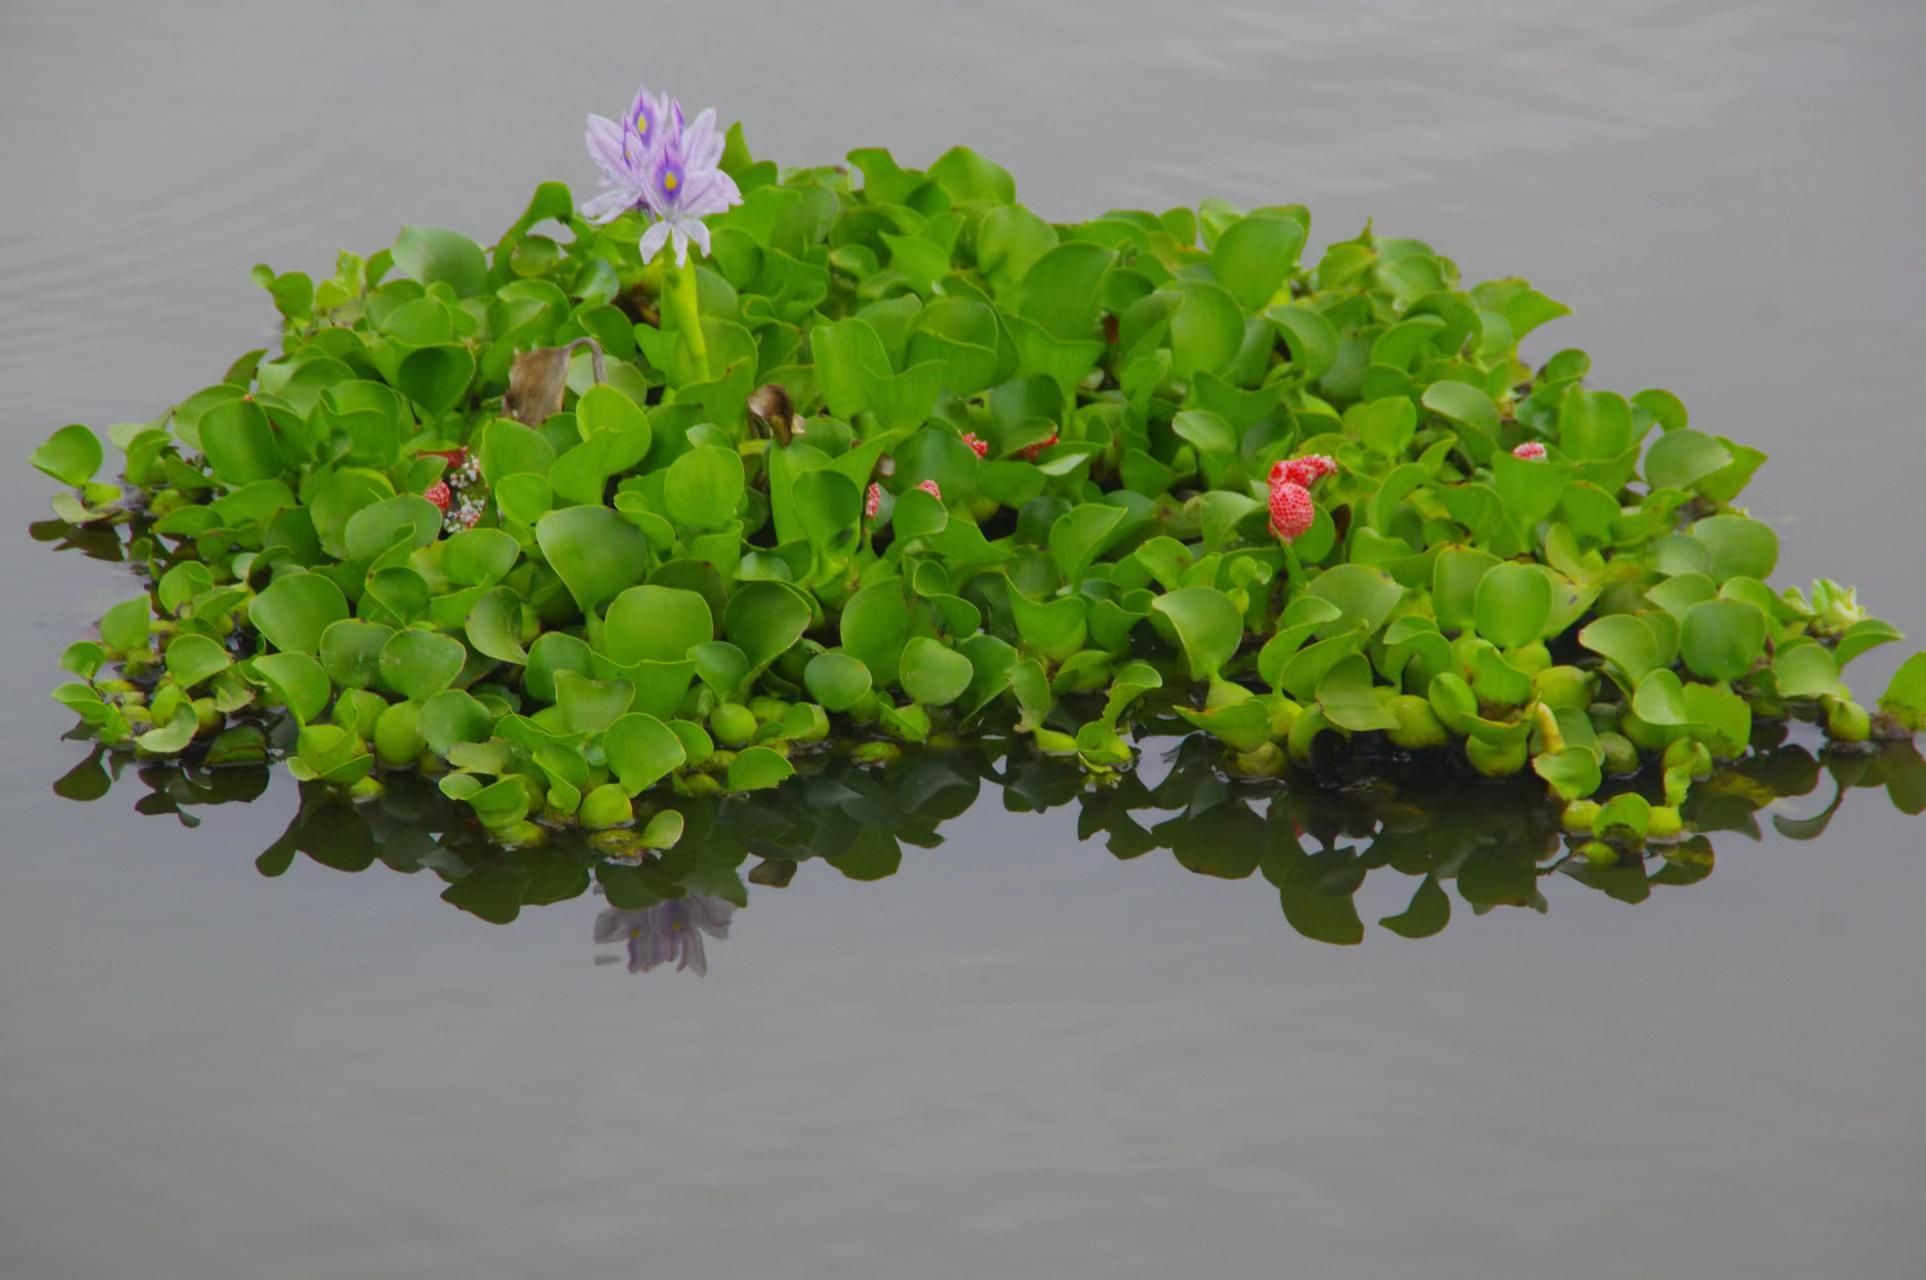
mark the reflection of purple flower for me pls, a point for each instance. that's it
(667, 931)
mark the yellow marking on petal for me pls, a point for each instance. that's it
(642, 122)
(669, 181)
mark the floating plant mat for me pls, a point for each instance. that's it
(588, 538)
(1426, 844)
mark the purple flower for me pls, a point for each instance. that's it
(622, 150)
(667, 931)
(655, 161)
(683, 185)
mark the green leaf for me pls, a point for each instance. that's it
(450, 717)
(656, 624)
(1208, 625)
(437, 377)
(1531, 490)
(721, 666)
(829, 507)
(967, 176)
(1660, 699)
(351, 652)
(508, 448)
(704, 487)
(591, 706)
(1740, 547)
(418, 664)
(1080, 534)
(433, 255)
(1680, 459)
(918, 515)
(71, 455)
(239, 443)
(594, 551)
(1304, 670)
(1455, 578)
(1594, 425)
(836, 680)
(1626, 640)
(1054, 628)
(1463, 405)
(642, 751)
(604, 408)
(1513, 604)
(172, 737)
(1060, 290)
(1863, 635)
(295, 609)
(875, 627)
(381, 526)
(1722, 639)
(1720, 718)
(1628, 814)
(1572, 772)
(1349, 700)
(1385, 426)
(758, 769)
(494, 626)
(1808, 670)
(123, 628)
(479, 557)
(194, 658)
(1361, 595)
(298, 681)
(1310, 338)
(1253, 257)
(764, 620)
(933, 674)
(1009, 241)
(1905, 698)
(1206, 330)
(499, 805)
(1241, 726)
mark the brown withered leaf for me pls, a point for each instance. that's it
(769, 405)
(538, 378)
(535, 384)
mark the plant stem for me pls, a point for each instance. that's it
(682, 298)
(1293, 570)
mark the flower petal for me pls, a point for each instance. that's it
(608, 205)
(696, 230)
(604, 139)
(701, 145)
(711, 192)
(653, 240)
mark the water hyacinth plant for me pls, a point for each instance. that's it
(731, 465)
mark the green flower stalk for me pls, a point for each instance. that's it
(680, 295)
(655, 163)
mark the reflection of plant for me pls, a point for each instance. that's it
(1488, 843)
(667, 931)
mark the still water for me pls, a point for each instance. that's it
(252, 1039)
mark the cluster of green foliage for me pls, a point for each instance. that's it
(674, 585)
(1370, 817)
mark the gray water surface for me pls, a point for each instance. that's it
(1019, 1056)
